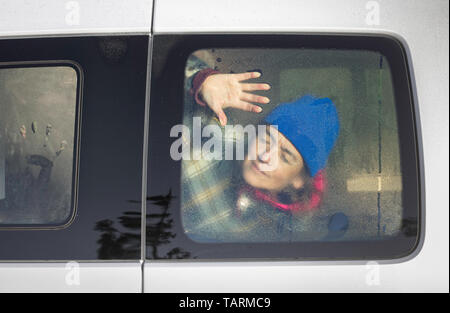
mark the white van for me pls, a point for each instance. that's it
(97, 99)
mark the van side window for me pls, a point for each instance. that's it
(39, 110)
(282, 147)
(335, 173)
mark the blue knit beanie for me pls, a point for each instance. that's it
(312, 125)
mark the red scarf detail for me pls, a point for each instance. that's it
(319, 183)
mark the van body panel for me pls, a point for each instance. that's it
(71, 277)
(421, 26)
(21, 18)
(426, 44)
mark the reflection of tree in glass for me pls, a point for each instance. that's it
(116, 244)
(158, 228)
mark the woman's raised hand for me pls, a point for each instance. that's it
(220, 91)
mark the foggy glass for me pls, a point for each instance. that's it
(363, 195)
(37, 131)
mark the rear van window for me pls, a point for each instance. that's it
(338, 173)
(282, 147)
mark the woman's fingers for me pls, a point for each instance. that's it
(221, 116)
(254, 87)
(246, 76)
(247, 106)
(248, 97)
(225, 90)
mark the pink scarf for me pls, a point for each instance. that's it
(319, 183)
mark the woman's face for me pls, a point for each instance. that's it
(273, 168)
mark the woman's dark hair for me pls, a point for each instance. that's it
(303, 195)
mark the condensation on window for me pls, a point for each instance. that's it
(362, 198)
(37, 132)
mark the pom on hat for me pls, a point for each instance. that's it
(312, 125)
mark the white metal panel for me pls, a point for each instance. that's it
(60, 17)
(288, 277)
(71, 277)
(293, 15)
(423, 26)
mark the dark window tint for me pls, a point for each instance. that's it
(72, 123)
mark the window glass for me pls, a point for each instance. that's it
(320, 162)
(38, 105)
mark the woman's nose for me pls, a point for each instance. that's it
(264, 157)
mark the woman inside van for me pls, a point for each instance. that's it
(273, 196)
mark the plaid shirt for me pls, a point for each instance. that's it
(208, 191)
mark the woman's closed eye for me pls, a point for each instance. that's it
(284, 159)
(287, 156)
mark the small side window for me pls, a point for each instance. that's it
(39, 106)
